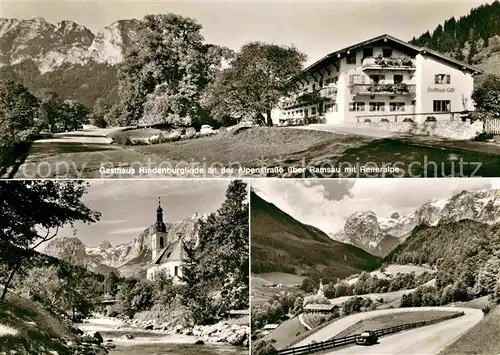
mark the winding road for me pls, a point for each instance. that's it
(425, 340)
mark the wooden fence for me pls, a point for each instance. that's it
(334, 343)
(492, 125)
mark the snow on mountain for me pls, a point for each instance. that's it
(52, 46)
(136, 252)
(379, 235)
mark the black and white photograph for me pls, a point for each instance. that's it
(200, 89)
(375, 266)
(124, 267)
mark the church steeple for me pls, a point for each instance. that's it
(160, 226)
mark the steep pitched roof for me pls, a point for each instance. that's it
(385, 37)
(176, 251)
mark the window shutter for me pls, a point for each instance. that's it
(436, 79)
(351, 79)
(448, 78)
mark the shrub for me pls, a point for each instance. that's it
(483, 136)
(122, 139)
(367, 120)
(384, 120)
(407, 119)
(264, 347)
(431, 119)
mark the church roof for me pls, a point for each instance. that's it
(176, 251)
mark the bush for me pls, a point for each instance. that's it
(431, 119)
(486, 309)
(384, 120)
(122, 139)
(483, 137)
(409, 120)
(264, 347)
(367, 120)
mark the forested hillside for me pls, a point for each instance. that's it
(474, 38)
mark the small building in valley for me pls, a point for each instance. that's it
(321, 308)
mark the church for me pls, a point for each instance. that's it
(167, 255)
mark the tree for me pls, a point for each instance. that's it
(255, 81)
(32, 212)
(50, 108)
(166, 71)
(216, 271)
(111, 283)
(100, 110)
(18, 120)
(73, 115)
(487, 96)
(264, 347)
(308, 285)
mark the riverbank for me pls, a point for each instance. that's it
(136, 337)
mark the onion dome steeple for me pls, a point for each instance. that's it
(160, 226)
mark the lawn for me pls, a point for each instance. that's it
(38, 332)
(265, 147)
(392, 320)
(261, 294)
(287, 331)
(483, 338)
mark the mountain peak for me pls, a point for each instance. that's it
(105, 245)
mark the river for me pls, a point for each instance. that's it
(152, 342)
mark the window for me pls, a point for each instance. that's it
(397, 106)
(367, 52)
(398, 79)
(176, 271)
(387, 52)
(377, 106)
(313, 111)
(441, 106)
(351, 58)
(413, 102)
(357, 79)
(356, 106)
(376, 78)
(442, 79)
(161, 242)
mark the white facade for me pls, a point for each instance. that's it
(383, 78)
(172, 269)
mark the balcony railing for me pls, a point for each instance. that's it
(400, 89)
(329, 91)
(392, 63)
(303, 97)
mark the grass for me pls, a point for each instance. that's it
(286, 332)
(38, 331)
(392, 320)
(271, 147)
(483, 338)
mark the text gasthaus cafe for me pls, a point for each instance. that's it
(383, 77)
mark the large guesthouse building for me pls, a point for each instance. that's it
(381, 78)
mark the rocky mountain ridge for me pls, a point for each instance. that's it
(379, 235)
(128, 258)
(51, 46)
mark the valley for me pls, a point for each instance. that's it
(444, 259)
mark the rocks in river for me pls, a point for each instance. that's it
(199, 342)
(127, 336)
(93, 338)
(223, 333)
(149, 327)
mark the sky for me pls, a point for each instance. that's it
(326, 204)
(316, 28)
(129, 206)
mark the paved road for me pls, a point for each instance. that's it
(428, 340)
(335, 328)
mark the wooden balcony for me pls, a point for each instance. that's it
(400, 89)
(393, 63)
